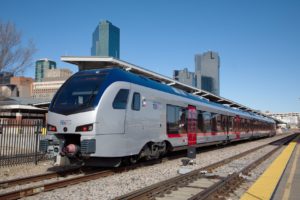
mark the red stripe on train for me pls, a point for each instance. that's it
(174, 135)
(177, 135)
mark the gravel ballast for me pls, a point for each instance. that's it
(120, 184)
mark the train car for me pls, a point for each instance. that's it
(105, 117)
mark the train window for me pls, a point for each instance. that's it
(183, 120)
(256, 125)
(176, 120)
(207, 122)
(230, 124)
(242, 124)
(214, 122)
(78, 94)
(219, 123)
(201, 127)
(223, 123)
(247, 125)
(250, 125)
(136, 101)
(172, 127)
(120, 100)
(235, 124)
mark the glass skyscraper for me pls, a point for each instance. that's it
(206, 75)
(106, 40)
(41, 66)
(208, 65)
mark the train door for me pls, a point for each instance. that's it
(191, 126)
(135, 118)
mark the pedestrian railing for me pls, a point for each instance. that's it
(19, 141)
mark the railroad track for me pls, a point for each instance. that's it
(44, 187)
(84, 174)
(40, 177)
(198, 184)
(89, 175)
(31, 190)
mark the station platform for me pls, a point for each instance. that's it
(289, 184)
(282, 178)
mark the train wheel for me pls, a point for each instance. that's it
(165, 149)
(130, 160)
(133, 159)
(153, 150)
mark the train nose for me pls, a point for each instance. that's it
(71, 150)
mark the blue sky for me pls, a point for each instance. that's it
(258, 41)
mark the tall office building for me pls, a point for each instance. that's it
(106, 40)
(41, 66)
(206, 76)
(208, 64)
(184, 76)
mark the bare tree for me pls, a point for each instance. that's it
(14, 57)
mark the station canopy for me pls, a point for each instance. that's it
(95, 62)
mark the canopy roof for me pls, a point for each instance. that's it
(95, 62)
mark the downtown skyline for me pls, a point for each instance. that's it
(257, 42)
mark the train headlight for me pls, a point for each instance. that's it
(51, 128)
(56, 149)
(84, 128)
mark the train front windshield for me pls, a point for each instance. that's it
(78, 94)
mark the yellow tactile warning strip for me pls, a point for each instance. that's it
(264, 187)
(289, 182)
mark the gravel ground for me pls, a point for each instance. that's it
(34, 184)
(253, 176)
(238, 164)
(24, 170)
(119, 184)
(29, 169)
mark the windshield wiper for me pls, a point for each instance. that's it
(91, 97)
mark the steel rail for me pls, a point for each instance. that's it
(168, 185)
(36, 178)
(51, 186)
(63, 183)
(234, 179)
(63, 173)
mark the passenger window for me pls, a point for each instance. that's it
(219, 123)
(120, 100)
(214, 122)
(230, 124)
(207, 122)
(201, 127)
(136, 101)
(224, 123)
(176, 120)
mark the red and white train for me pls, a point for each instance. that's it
(103, 117)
